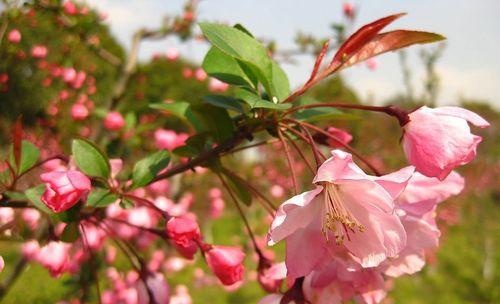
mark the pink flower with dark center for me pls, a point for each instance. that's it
(64, 189)
(348, 209)
(114, 121)
(226, 263)
(438, 140)
(14, 36)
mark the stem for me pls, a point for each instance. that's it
(148, 203)
(297, 148)
(290, 161)
(348, 147)
(264, 142)
(395, 111)
(242, 214)
(310, 141)
(157, 232)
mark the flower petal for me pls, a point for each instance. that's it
(470, 116)
(339, 167)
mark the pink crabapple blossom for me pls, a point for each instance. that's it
(226, 263)
(114, 121)
(64, 189)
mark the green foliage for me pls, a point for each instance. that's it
(34, 196)
(29, 156)
(147, 168)
(90, 159)
(100, 197)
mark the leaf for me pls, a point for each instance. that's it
(251, 54)
(227, 69)
(319, 114)
(90, 159)
(225, 102)
(34, 196)
(100, 197)
(360, 38)
(180, 109)
(237, 185)
(255, 101)
(29, 156)
(392, 41)
(70, 233)
(215, 120)
(147, 168)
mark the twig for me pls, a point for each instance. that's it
(289, 158)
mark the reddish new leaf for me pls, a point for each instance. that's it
(359, 39)
(319, 60)
(17, 140)
(392, 41)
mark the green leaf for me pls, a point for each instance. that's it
(90, 159)
(147, 168)
(225, 68)
(34, 196)
(251, 53)
(70, 233)
(180, 109)
(255, 101)
(29, 156)
(319, 114)
(100, 197)
(225, 102)
(194, 145)
(215, 120)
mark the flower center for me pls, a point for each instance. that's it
(337, 218)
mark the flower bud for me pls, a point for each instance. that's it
(114, 121)
(64, 189)
(226, 263)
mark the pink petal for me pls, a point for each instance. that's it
(395, 182)
(470, 116)
(339, 167)
(295, 213)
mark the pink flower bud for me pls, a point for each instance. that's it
(200, 74)
(183, 231)
(14, 36)
(169, 140)
(438, 140)
(226, 263)
(64, 189)
(30, 249)
(172, 54)
(216, 208)
(216, 85)
(39, 51)
(187, 73)
(2, 263)
(348, 10)
(343, 137)
(70, 8)
(114, 121)
(79, 111)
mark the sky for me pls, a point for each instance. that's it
(469, 68)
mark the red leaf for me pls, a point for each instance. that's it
(391, 41)
(319, 60)
(17, 140)
(359, 39)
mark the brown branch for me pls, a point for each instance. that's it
(289, 158)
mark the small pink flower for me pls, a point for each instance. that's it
(31, 217)
(55, 257)
(371, 64)
(14, 36)
(64, 189)
(438, 140)
(348, 10)
(216, 85)
(277, 191)
(2, 263)
(114, 121)
(217, 206)
(79, 111)
(181, 295)
(226, 263)
(348, 209)
(39, 51)
(172, 54)
(30, 249)
(187, 73)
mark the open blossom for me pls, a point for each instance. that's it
(114, 121)
(348, 209)
(226, 263)
(64, 189)
(438, 140)
(14, 36)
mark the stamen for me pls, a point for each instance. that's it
(337, 218)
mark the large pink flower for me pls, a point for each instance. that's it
(348, 209)
(438, 140)
(64, 189)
